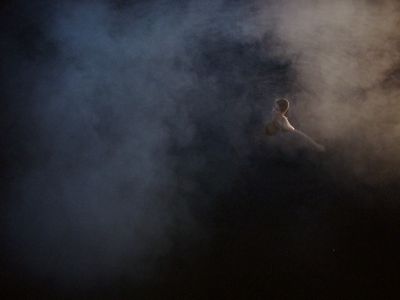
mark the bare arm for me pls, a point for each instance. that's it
(313, 143)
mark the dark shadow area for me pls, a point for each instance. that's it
(221, 214)
(286, 230)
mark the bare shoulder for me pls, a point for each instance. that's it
(286, 124)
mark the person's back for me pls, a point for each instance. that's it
(282, 122)
(279, 120)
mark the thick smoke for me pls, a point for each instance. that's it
(346, 58)
(143, 113)
(140, 112)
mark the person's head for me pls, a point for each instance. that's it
(282, 105)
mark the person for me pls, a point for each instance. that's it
(281, 124)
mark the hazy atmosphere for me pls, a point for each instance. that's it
(135, 162)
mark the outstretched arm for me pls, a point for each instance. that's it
(309, 140)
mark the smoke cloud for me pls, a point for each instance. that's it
(346, 59)
(139, 113)
(142, 114)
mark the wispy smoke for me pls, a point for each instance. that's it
(346, 58)
(140, 113)
(144, 112)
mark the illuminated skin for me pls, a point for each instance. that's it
(280, 120)
(280, 123)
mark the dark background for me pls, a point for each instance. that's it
(228, 215)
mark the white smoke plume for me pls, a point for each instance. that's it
(346, 58)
